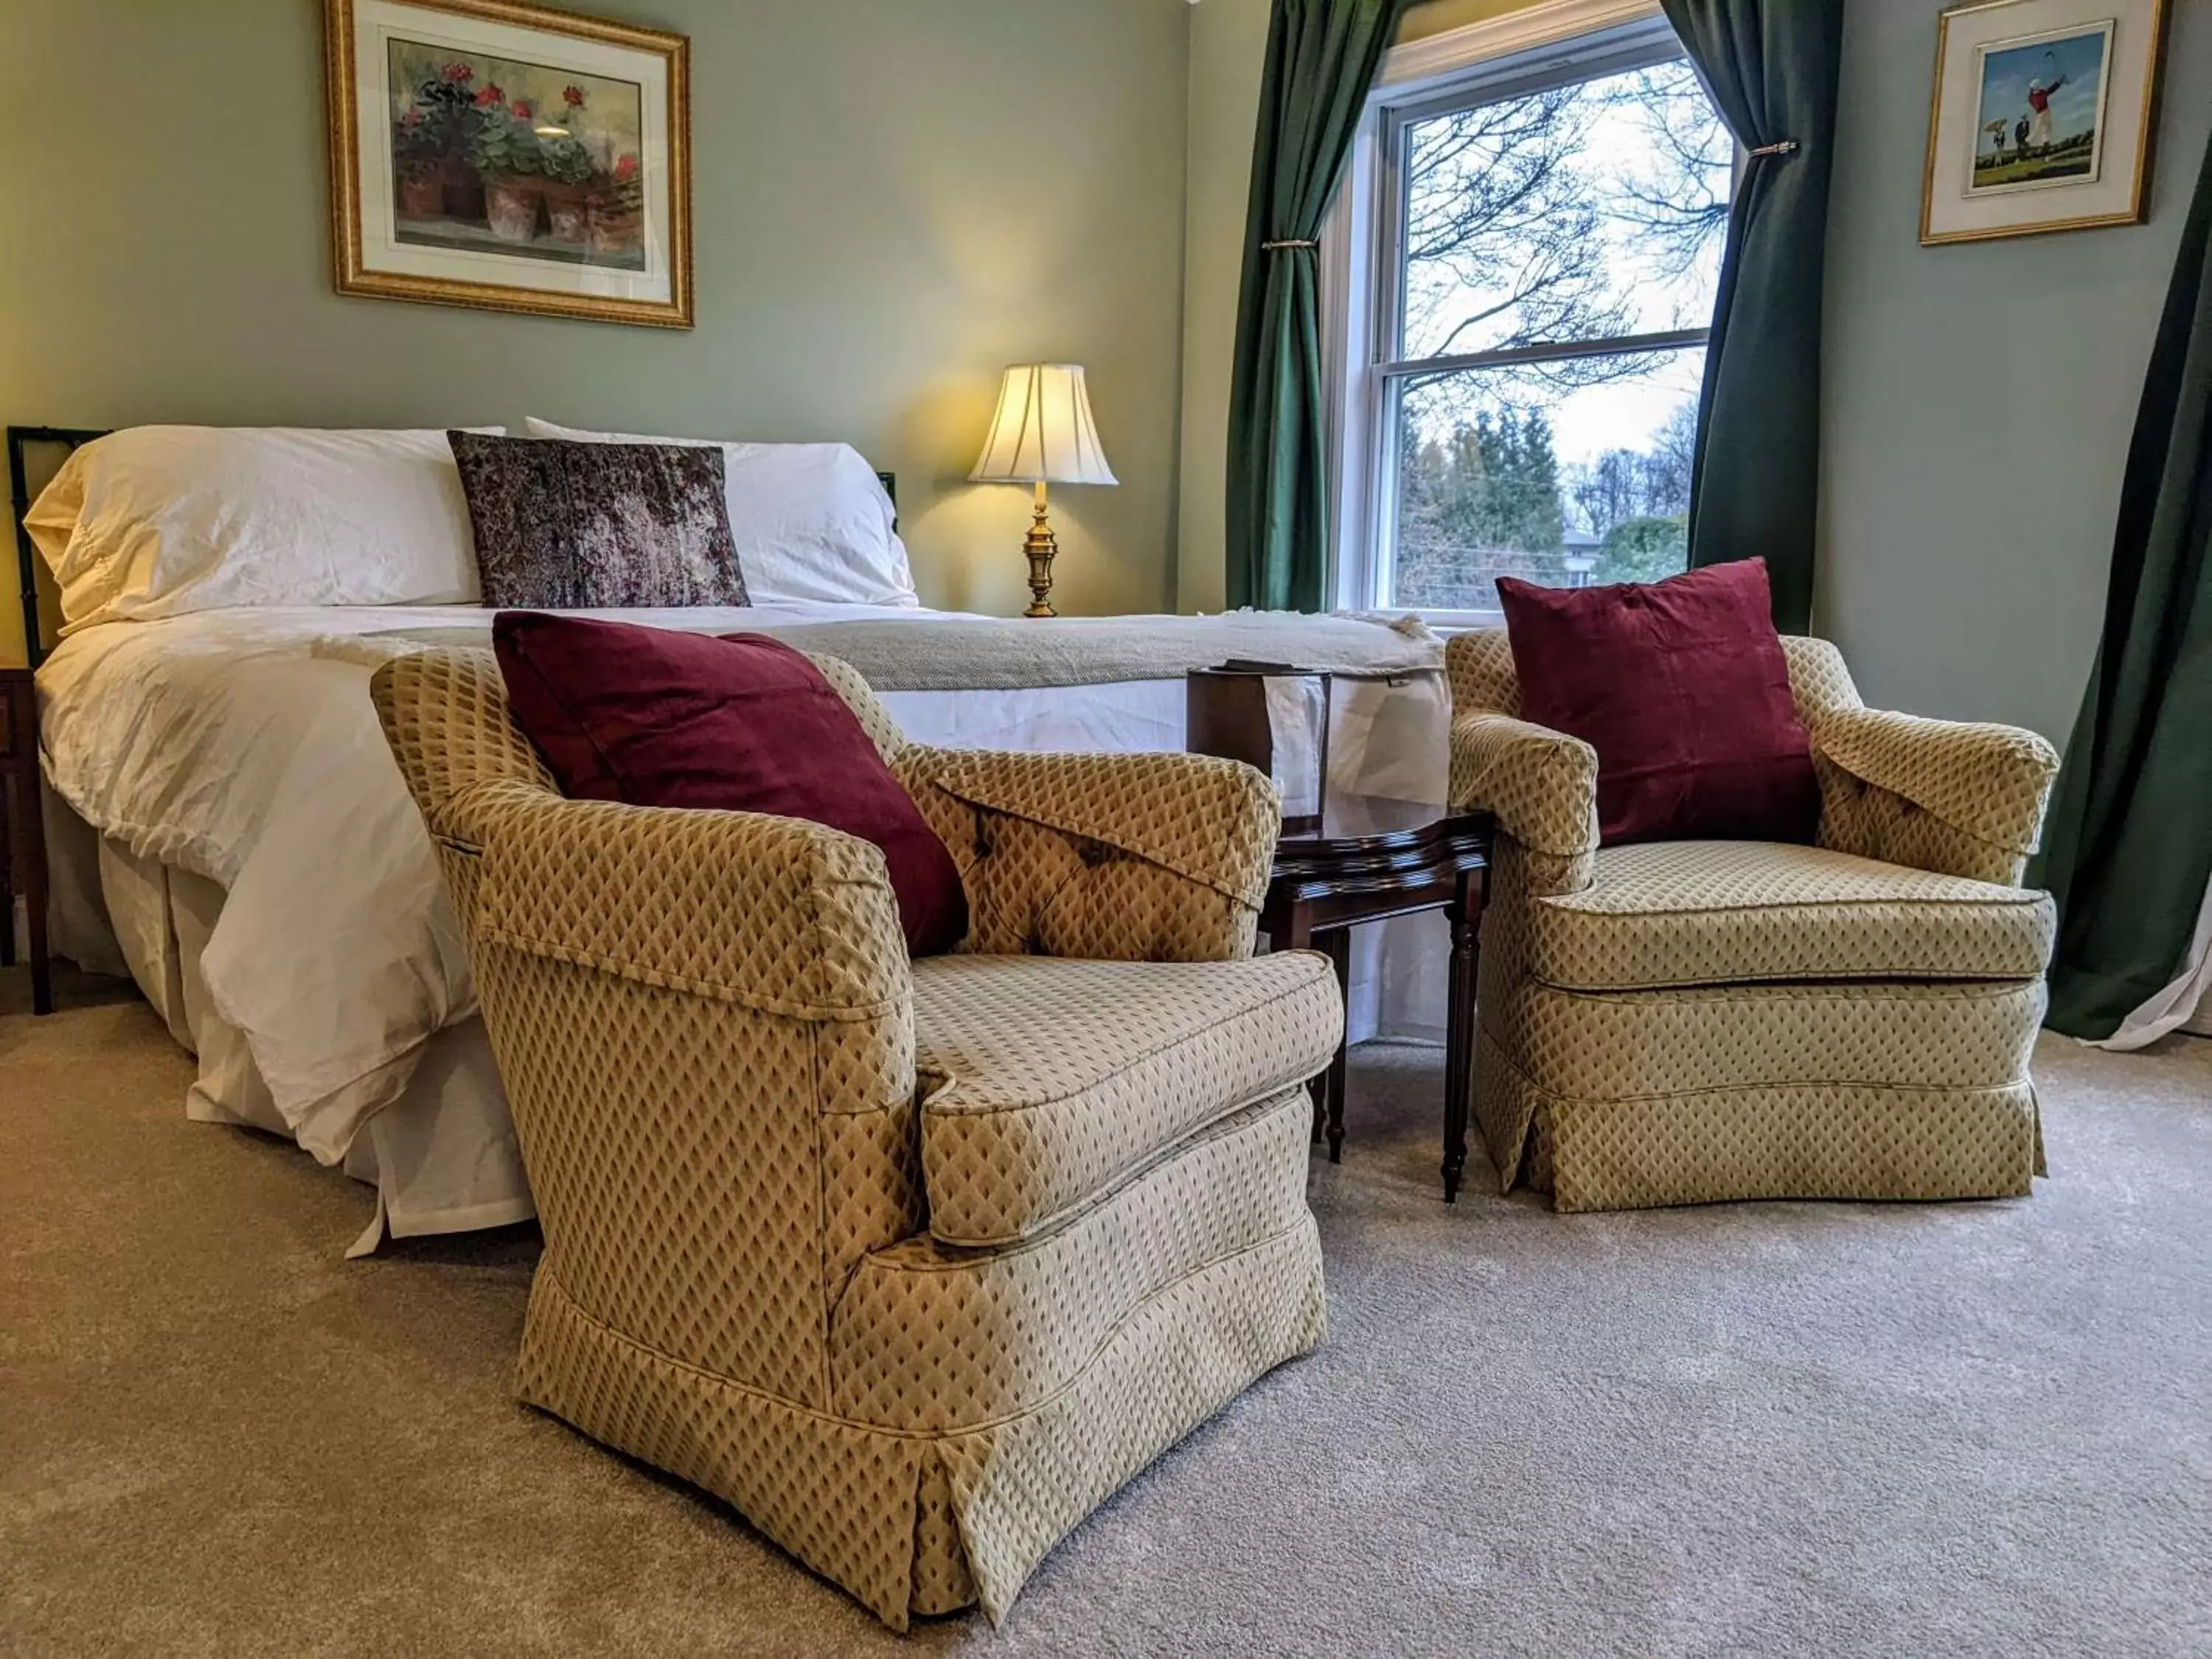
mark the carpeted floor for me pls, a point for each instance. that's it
(1971, 1429)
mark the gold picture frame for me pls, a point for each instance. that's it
(505, 157)
(2042, 118)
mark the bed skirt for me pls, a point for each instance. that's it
(442, 1157)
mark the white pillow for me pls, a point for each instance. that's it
(158, 520)
(810, 521)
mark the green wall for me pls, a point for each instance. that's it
(1228, 53)
(1977, 399)
(892, 200)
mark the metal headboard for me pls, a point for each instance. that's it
(20, 438)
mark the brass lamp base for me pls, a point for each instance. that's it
(1039, 546)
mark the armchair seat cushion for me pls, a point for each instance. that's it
(1047, 1084)
(929, 1338)
(1663, 914)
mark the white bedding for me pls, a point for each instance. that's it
(241, 746)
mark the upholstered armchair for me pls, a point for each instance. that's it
(1677, 1023)
(914, 1263)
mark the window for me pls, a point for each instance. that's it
(1547, 249)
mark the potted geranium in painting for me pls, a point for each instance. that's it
(430, 138)
(619, 210)
(507, 153)
(567, 166)
(446, 100)
(418, 155)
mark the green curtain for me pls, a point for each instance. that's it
(1323, 56)
(1771, 66)
(2129, 849)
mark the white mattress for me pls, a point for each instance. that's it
(224, 745)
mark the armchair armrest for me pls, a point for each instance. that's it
(1948, 796)
(1107, 857)
(1538, 784)
(705, 1024)
(776, 915)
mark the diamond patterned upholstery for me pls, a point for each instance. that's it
(915, 1264)
(1016, 1134)
(1688, 1022)
(1720, 912)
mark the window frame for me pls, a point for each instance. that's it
(1363, 266)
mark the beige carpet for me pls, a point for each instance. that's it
(1971, 1429)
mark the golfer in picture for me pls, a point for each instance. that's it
(2038, 105)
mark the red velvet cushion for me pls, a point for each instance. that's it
(1682, 689)
(739, 724)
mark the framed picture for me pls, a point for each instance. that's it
(491, 153)
(2042, 117)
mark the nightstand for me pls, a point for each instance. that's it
(1371, 858)
(22, 831)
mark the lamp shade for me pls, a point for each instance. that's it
(1044, 432)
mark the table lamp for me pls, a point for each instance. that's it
(1042, 434)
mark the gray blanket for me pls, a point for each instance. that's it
(985, 654)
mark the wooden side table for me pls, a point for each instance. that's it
(1372, 859)
(22, 831)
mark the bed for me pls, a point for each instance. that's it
(227, 826)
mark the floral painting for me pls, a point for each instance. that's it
(520, 157)
(507, 156)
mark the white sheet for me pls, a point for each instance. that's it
(2185, 1004)
(443, 1156)
(223, 745)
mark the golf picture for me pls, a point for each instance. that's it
(2041, 111)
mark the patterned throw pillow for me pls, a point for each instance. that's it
(569, 526)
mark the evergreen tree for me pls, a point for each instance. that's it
(1540, 523)
(1502, 489)
(1645, 550)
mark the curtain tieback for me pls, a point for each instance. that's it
(1283, 245)
(1780, 147)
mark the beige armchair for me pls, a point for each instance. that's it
(913, 1263)
(1679, 1023)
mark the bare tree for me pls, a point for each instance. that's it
(1501, 233)
(1518, 233)
(1676, 206)
(1652, 483)
(1606, 490)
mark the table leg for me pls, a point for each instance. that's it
(1337, 942)
(1460, 1022)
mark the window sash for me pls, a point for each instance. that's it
(1548, 351)
(1366, 249)
(1613, 52)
